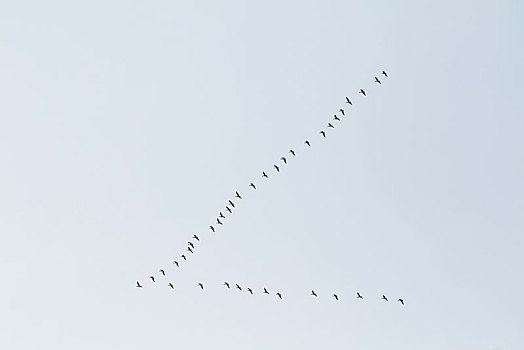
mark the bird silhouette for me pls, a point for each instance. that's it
(386, 74)
(189, 249)
(253, 185)
(336, 118)
(238, 195)
(171, 285)
(342, 111)
(138, 284)
(176, 263)
(377, 81)
(183, 257)
(201, 286)
(264, 174)
(330, 125)
(152, 278)
(307, 143)
(221, 215)
(401, 301)
(229, 210)
(238, 287)
(163, 272)
(323, 133)
(196, 237)
(227, 285)
(265, 291)
(348, 101)
(335, 296)
(313, 293)
(212, 228)
(359, 296)
(250, 291)
(283, 159)
(279, 295)
(292, 152)
(277, 168)
(219, 222)
(384, 297)
(191, 244)
(362, 92)
(231, 203)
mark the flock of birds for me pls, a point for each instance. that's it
(230, 206)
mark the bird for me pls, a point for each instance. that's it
(163, 272)
(229, 210)
(138, 284)
(335, 296)
(176, 263)
(359, 296)
(196, 237)
(189, 249)
(238, 195)
(171, 285)
(348, 101)
(264, 174)
(386, 74)
(152, 278)
(253, 185)
(307, 143)
(212, 228)
(238, 287)
(342, 111)
(221, 215)
(377, 81)
(384, 297)
(227, 285)
(191, 244)
(336, 118)
(201, 286)
(277, 168)
(231, 203)
(313, 293)
(362, 92)
(219, 222)
(250, 291)
(183, 257)
(279, 295)
(323, 133)
(330, 125)
(265, 291)
(292, 152)
(401, 301)
(283, 159)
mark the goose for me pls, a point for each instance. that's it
(138, 285)
(362, 92)
(307, 143)
(253, 185)
(313, 293)
(348, 101)
(292, 152)
(196, 237)
(163, 272)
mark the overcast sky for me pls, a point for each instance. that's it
(126, 126)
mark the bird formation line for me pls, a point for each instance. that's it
(230, 205)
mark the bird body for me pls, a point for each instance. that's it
(227, 285)
(219, 222)
(253, 185)
(196, 237)
(183, 257)
(221, 215)
(385, 74)
(212, 228)
(238, 287)
(189, 249)
(152, 278)
(231, 203)
(292, 152)
(162, 272)
(362, 92)
(171, 285)
(323, 133)
(384, 297)
(313, 293)
(359, 296)
(138, 285)
(201, 286)
(265, 291)
(228, 209)
(377, 81)
(176, 263)
(238, 195)
(336, 118)
(283, 159)
(191, 244)
(307, 143)
(401, 301)
(348, 101)
(342, 111)
(335, 296)
(250, 291)
(330, 125)
(264, 174)
(279, 295)
(277, 168)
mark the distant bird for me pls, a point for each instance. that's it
(336, 118)
(348, 101)
(384, 297)
(377, 81)
(231, 203)
(313, 293)
(362, 92)
(277, 168)
(386, 74)
(221, 215)
(292, 152)
(191, 244)
(401, 301)
(227, 285)
(238, 195)
(229, 210)
(335, 296)
(238, 287)
(163, 272)
(250, 291)
(283, 159)
(176, 263)
(171, 285)
(189, 249)
(138, 284)
(183, 257)
(307, 143)
(201, 286)
(265, 291)
(341, 111)
(359, 296)
(196, 237)
(264, 174)
(219, 222)
(253, 185)
(279, 295)
(323, 133)
(330, 125)
(212, 228)
(152, 278)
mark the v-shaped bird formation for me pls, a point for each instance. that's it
(231, 205)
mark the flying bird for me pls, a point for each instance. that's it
(238, 287)
(386, 74)
(227, 285)
(330, 125)
(183, 257)
(292, 152)
(138, 284)
(384, 297)
(359, 296)
(348, 101)
(362, 92)
(219, 222)
(212, 228)
(191, 244)
(265, 291)
(229, 210)
(323, 133)
(335, 296)
(152, 278)
(264, 174)
(162, 271)
(201, 286)
(401, 301)
(253, 185)
(231, 203)
(283, 159)
(279, 295)
(196, 237)
(377, 81)
(276, 167)
(250, 291)
(171, 285)
(176, 263)
(342, 111)
(307, 143)
(238, 195)
(221, 215)
(336, 118)
(313, 293)
(189, 249)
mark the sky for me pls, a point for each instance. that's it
(126, 126)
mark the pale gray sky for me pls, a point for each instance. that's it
(127, 125)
